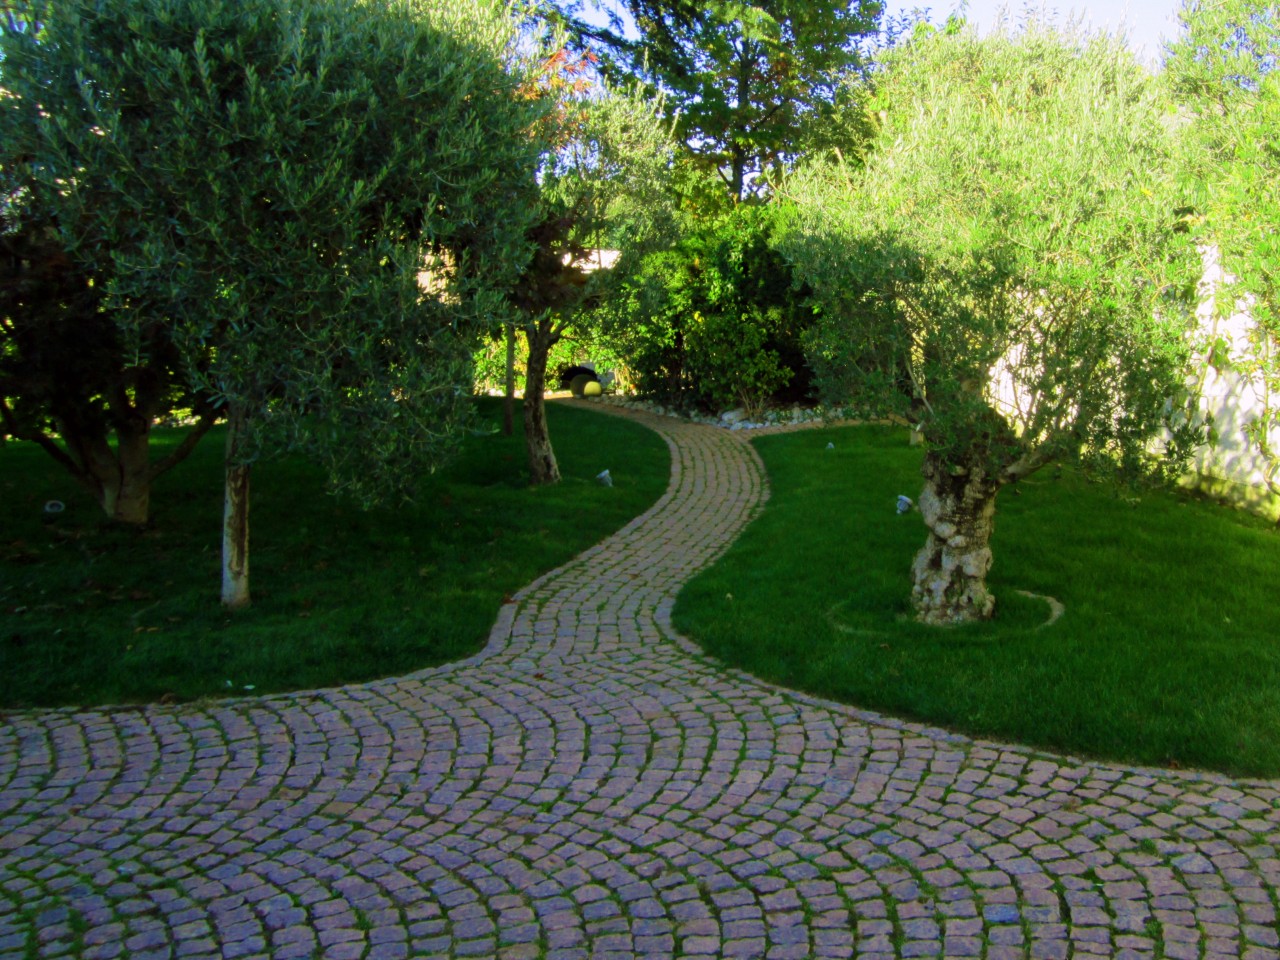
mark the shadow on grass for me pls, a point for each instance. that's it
(92, 613)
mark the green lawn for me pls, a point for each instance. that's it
(1168, 652)
(90, 613)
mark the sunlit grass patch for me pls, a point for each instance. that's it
(1168, 650)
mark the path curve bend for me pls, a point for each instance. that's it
(591, 786)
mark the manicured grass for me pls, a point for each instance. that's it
(91, 613)
(1168, 653)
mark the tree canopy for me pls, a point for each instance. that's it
(71, 381)
(316, 203)
(603, 182)
(751, 82)
(1006, 273)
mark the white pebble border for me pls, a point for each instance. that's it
(729, 420)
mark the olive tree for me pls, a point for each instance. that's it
(602, 184)
(70, 384)
(70, 381)
(1007, 273)
(1224, 69)
(319, 202)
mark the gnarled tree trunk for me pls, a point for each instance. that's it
(132, 494)
(95, 465)
(950, 571)
(543, 468)
(118, 477)
(235, 519)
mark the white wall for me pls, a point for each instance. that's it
(1229, 397)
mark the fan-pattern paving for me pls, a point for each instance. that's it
(592, 786)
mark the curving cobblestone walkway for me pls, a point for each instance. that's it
(590, 786)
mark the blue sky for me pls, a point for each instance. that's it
(1147, 21)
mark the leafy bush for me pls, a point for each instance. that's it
(731, 361)
(716, 320)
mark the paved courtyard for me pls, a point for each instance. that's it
(591, 786)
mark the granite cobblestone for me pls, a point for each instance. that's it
(591, 785)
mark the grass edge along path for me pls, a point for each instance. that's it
(1166, 653)
(92, 614)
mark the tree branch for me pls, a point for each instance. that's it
(194, 435)
(1027, 464)
(47, 444)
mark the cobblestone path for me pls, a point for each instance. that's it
(590, 786)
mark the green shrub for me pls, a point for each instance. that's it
(731, 361)
(716, 321)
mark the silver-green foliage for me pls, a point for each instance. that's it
(1225, 71)
(1014, 225)
(606, 175)
(602, 178)
(268, 178)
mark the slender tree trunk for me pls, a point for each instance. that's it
(509, 394)
(235, 519)
(543, 468)
(950, 570)
(738, 159)
(675, 372)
